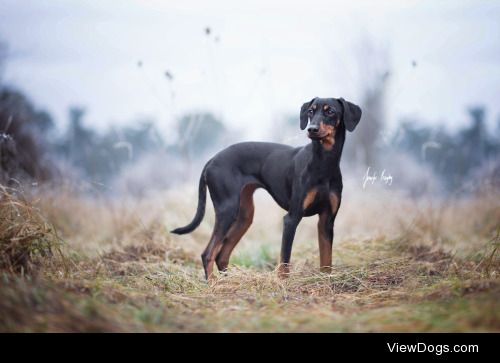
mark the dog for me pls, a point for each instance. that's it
(304, 181)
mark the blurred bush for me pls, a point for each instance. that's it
(24, 133)
(455, 157)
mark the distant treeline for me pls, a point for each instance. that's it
(458, 158)
(32, 148)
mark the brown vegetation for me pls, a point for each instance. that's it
(425, 267)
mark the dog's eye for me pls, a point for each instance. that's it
(310, 111)
(330, 112)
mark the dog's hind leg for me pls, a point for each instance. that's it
(226, 204)
(239, 227)
(206, 256)
(214, 246)
(223, 222)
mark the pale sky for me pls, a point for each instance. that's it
(270, 57)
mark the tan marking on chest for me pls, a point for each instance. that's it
(309, 198)
(329, 140)
(334, 203)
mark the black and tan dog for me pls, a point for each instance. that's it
(304, 181)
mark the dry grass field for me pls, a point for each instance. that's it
(70, 263)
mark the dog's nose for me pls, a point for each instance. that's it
(313, 128)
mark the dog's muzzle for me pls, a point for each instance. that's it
(314, 132)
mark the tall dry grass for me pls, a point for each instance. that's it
(27, 239)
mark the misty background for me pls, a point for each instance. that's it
(135, 96)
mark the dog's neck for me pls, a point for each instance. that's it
(326, 161)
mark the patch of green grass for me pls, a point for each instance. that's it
(260, 258)
(150, 315)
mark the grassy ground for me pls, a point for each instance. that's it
(70, 263)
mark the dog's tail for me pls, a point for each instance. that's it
(200, 212)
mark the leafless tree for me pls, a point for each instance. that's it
(374, 71)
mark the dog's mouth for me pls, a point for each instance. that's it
(318, 135)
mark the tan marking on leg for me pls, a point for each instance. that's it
(309, 198)
(213, 246)
(239, 227)
(334, 202)
(211, 259)
(325, 245)
(283, 270)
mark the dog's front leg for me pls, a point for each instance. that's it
(290, 223)
(325, 240)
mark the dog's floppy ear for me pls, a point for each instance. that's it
(351, 115)
(303, 113)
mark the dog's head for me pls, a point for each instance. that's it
(324, 116)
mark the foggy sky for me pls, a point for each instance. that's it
(259, 60)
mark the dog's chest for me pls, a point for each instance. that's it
(319, 199)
